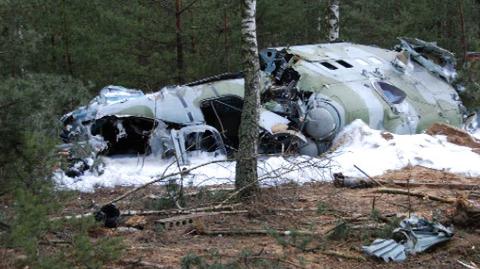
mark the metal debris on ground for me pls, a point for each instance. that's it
(387, 249)
(414, 235)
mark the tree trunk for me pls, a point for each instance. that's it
(333, 20)
(178, 33)
(246, 168)
(462, 30)
(225, 36)
(66, 41)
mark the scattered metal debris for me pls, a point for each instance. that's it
(386, 249)
(414, 235)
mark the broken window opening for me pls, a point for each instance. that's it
(344, 64)
(393, 94)
(129, 135)
(329, 65)
(223, 113)
(202, 141)
(194, 140)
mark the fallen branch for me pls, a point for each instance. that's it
(369, 177)
(161, 178)
(356, 182)
(469, 266)
(79, 216)
(456, 186)
(155, 212)
(177, 211)
(192, 193)
(278, 260)
(344, 255)
(256, 232)
(416, 194)
(246, 232)
(145, 264)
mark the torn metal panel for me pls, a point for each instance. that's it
(434, 58)
(388, 250)
(269, 120)
(160, 141)
(419, 235)
(414, 235)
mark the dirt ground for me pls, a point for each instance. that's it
(336, 222)
(327, 224)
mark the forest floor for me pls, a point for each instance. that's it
(329, 225)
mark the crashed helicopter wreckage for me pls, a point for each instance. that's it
(308, 94)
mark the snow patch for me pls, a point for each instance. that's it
(357, 145)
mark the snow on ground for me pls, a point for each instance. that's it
(357, 145)
(132, 171)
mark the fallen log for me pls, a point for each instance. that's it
(354, 182)
(455, 186)
(255, 232)
(246, 232)
(155, 212)
(416, 194)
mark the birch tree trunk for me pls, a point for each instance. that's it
(333, 20)
(246, 168)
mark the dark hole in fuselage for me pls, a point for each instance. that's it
(136, 133)
(224, 113)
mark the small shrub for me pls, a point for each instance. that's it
(340, 232)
